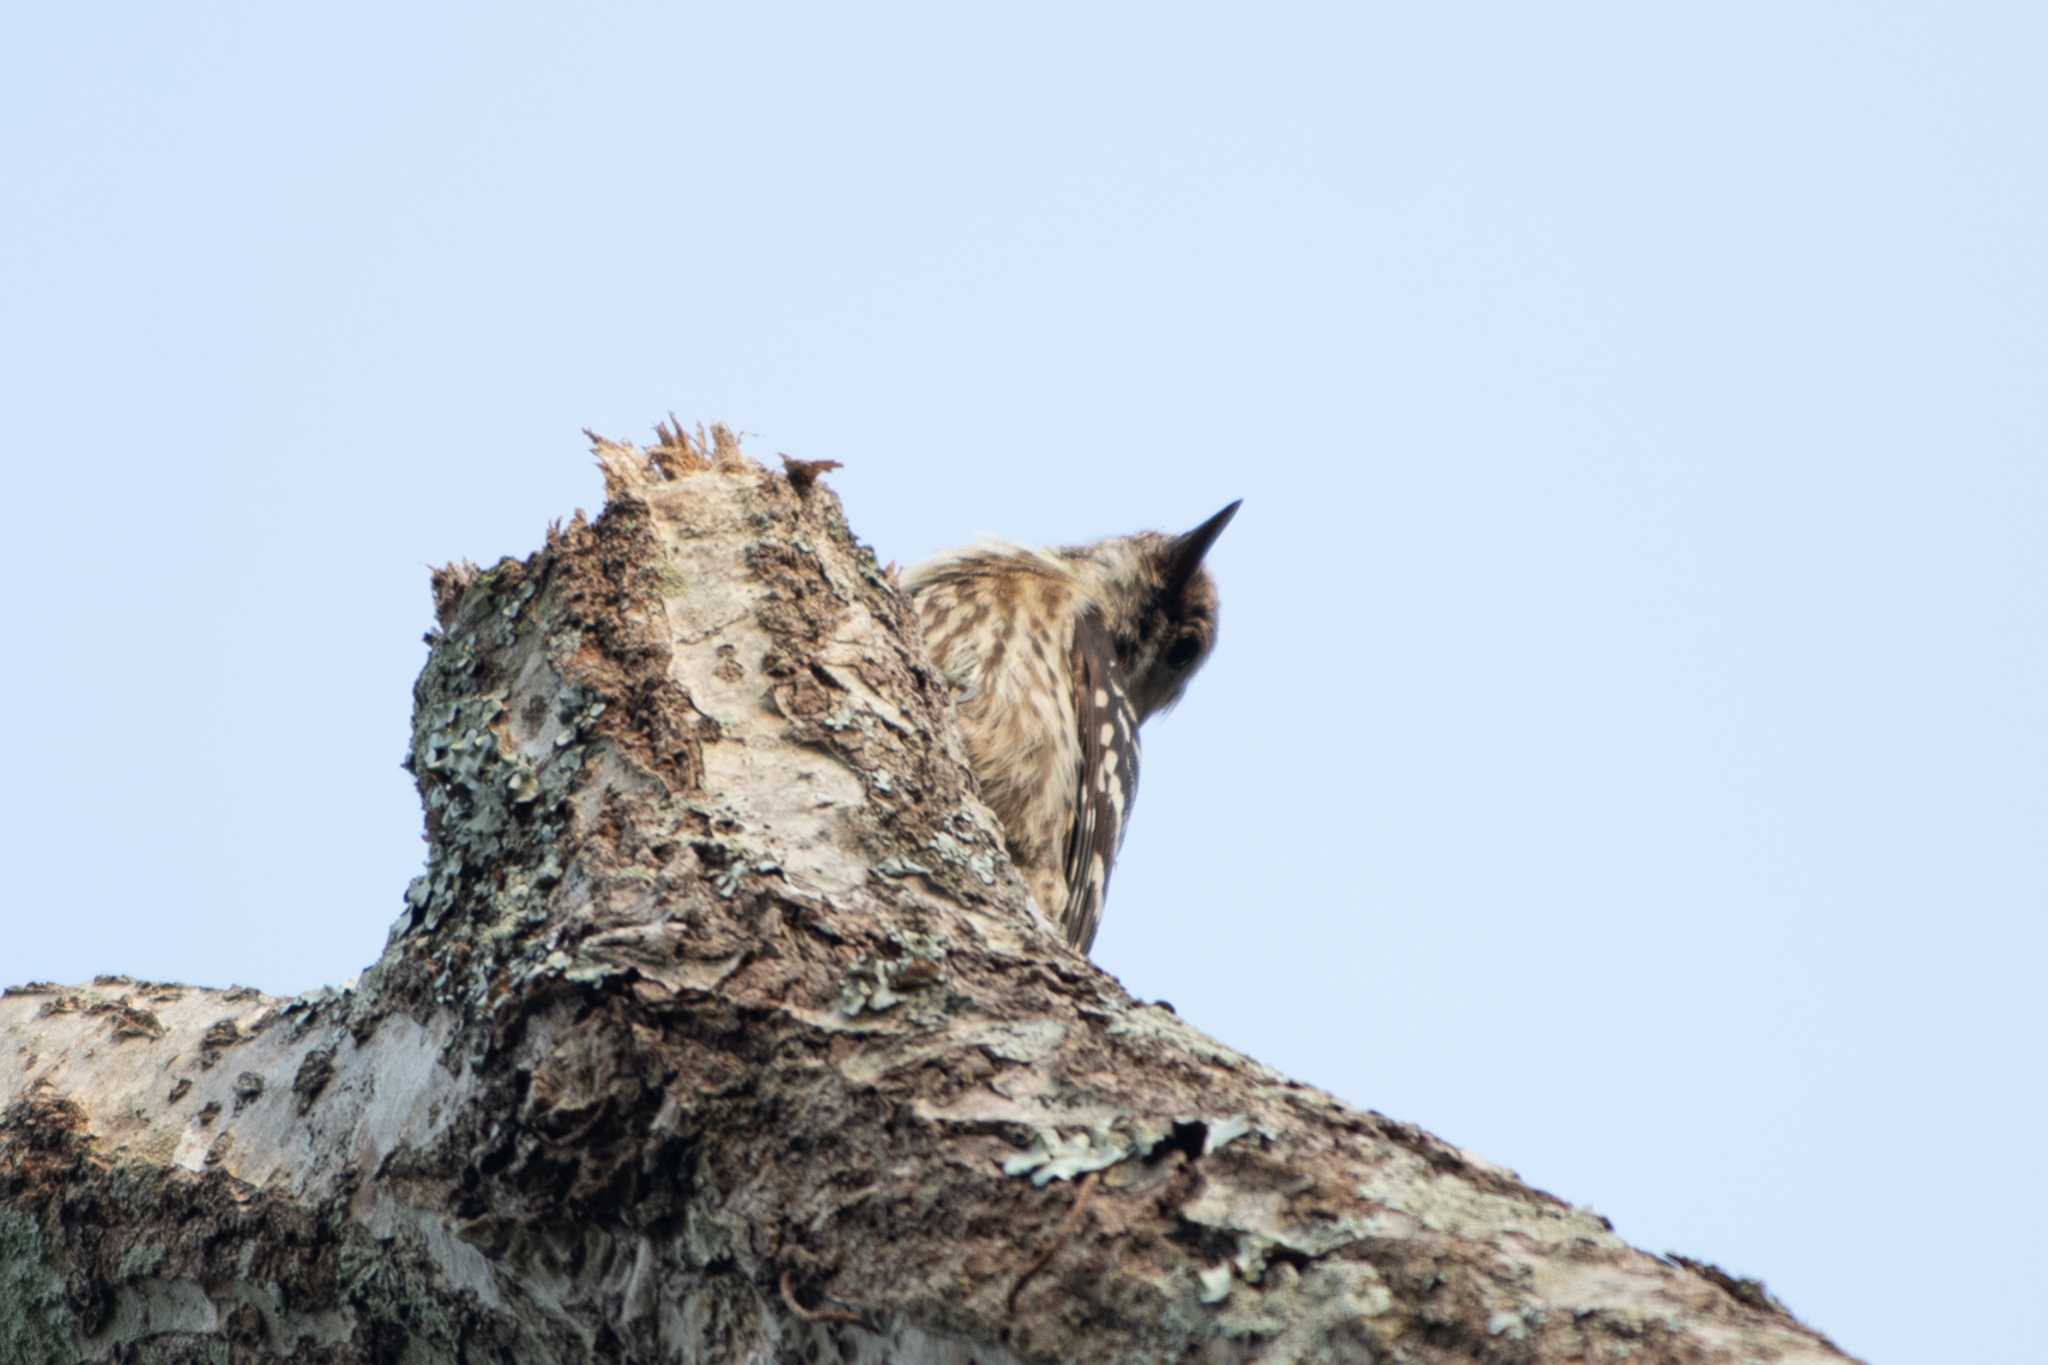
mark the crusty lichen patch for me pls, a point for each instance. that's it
(35, 1322)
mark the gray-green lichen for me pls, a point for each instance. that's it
(389, 1282)
(979, 857)
(35, 1322)
(480, 790)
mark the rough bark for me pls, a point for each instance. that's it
(719, 1028)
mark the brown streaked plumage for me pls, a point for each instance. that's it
(1055, 658)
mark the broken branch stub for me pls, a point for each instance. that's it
(719, 1027)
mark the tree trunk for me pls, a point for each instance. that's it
(719, 1028)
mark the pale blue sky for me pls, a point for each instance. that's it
(1627, 749)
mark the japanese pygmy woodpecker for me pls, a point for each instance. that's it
(1055, 657)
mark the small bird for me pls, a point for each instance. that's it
(1055, 657)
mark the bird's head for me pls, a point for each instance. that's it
(1158, 603)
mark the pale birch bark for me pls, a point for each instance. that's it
(720, 1029)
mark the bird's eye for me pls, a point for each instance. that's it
(1183, 652)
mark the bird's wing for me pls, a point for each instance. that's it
(1108, 779)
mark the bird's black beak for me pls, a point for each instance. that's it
(1186, 555)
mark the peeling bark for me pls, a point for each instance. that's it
(719, 1028)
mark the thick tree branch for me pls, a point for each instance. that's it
(719, 1028)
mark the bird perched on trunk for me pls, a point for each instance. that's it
(1055, 657)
